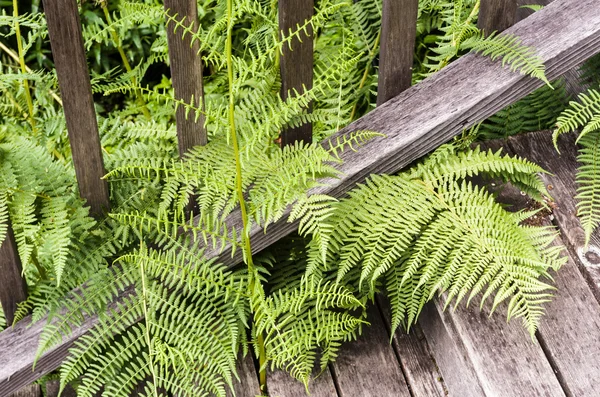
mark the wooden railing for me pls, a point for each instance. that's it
(414, 119)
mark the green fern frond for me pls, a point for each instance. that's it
(509, 48)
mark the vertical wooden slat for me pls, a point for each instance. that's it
(398, 33)
(68, 52)
(296, 64)
(29, 391)
(13, 288)
(496, 15)
(186, 73)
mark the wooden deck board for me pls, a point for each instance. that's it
(368, 367)
(281, 384)
(570, 330)
(414, 353)
(538, 147)
(247, 386)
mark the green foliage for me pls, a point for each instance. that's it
(174, 321)
(536, 112)
(430, 230)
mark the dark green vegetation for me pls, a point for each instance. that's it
(187, 318)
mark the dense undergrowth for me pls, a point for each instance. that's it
(172, 319)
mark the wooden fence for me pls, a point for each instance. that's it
(414, 119)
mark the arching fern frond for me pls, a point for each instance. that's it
(430, 230)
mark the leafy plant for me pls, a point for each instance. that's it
(173, 320)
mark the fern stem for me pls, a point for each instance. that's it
(116, 42)
(253, 280)
(147, 333)
(14, 56)
(22, 64)
(372, 54)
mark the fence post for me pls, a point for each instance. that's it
(398, 33)
(186, 72)
(13, 288)
(296, 64)
(496, 15)
(68, 52)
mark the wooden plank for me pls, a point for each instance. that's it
(29, 391)
(569, 331)
(450, 354)
(68, 53)
(414, 353)
(472, 348)
(19, 346)
(398, 32)
(280, 384)
(505, 361)
(296, 62)
(13, 288)
(186, 72)
(418, 120)
(539, 148)
(53, 386)
(496, 15)
(368, 366)
(247, 386)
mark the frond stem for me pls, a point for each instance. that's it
(240, 191)
(22, 64)
(116, 42)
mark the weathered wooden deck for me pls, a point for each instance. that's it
(466, 353)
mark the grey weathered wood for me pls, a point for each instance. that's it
(458, 372)
(296, 63)
(29, 391)
(281, 384)
(398, 32)
(247, 386)
(496, 15)
(569, 332)
(13, 288)
(572, 77)
(186, 72)
(418, 120)
(524, 12)
(414, 353)
(368, 366)
(53, 386)
(500, 357)
(19, 345)
(539, 148)
(68, 53)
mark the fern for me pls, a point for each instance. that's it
(429, 230)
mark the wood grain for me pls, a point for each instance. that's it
(472, 348)
(415, 122)
(569, 332)
(281, 384)
(247, 386)
(414, 353)
(68, 53)
(398, 32)
(539, 148)
(368, 366)
(296, 63)
(29, 391)
(13, 288)
(53, 386)
(186, 73)
(496, 15)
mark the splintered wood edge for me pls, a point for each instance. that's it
(415, 122)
